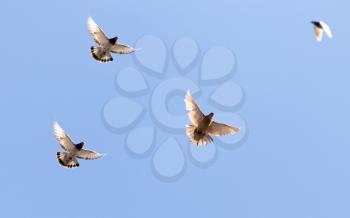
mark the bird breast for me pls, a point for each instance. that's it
(204, 124)
(106, 47)
(73, 153)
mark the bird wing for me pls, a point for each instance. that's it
(122, 49)
(63, 138)
(318, 33)
(96, 32)
(221, 129)
(326, 29)
(195, 114)
(88, 155)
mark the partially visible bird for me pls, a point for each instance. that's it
(71, 150)
(107, 45)
(320, 27)
(203, 125)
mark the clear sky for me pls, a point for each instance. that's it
(293, 163)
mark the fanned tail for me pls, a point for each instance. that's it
(196, 137)
(66, 161)
(100, 55)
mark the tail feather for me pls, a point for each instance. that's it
(100, 55)
(66, 161)
(196, 137)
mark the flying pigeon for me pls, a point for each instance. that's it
(203, 125)
(319, 28)
(107, 45)
(71, 150)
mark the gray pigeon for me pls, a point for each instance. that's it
(203, 125)
(319, 28)
(103, 53)
(71, 150)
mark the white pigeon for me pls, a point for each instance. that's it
(71, 150)
(103, 53)
(320, 27)
(203, 125)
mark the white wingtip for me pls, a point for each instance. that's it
(55, 124)
(187, 95)
(57, 127)
(90, 21)
(326, 29)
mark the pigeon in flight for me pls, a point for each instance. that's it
(203, 125)
(103, 53)
(71, 150)
(320, 27)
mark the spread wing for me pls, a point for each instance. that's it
(221, 129)
(318, 33)
(88, 155)
(96, 32)
(194, 114)
(63, 138)
(326, 29)
(122, 49)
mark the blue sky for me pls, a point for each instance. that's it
(294, 162)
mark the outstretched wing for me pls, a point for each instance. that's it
(122, 49)
(326, 29)
(63, 138)
(194, 114)
(88, 155)
(221, 129)
(96, 32)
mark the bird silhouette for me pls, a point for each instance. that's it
(106, 45)
(203, 125)
(72, 151)
(320, 27)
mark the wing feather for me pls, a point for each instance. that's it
(122, 49)
(96, 32)
(63, 138)
(326, 29)
(88, 154)
(194, 114)
(221, 129)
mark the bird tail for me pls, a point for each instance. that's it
(100, 55)
(66, 161)
(196, 137)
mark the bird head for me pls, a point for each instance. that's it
(316, 23)
(211, 115)
(113, 40)
(80, 145)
